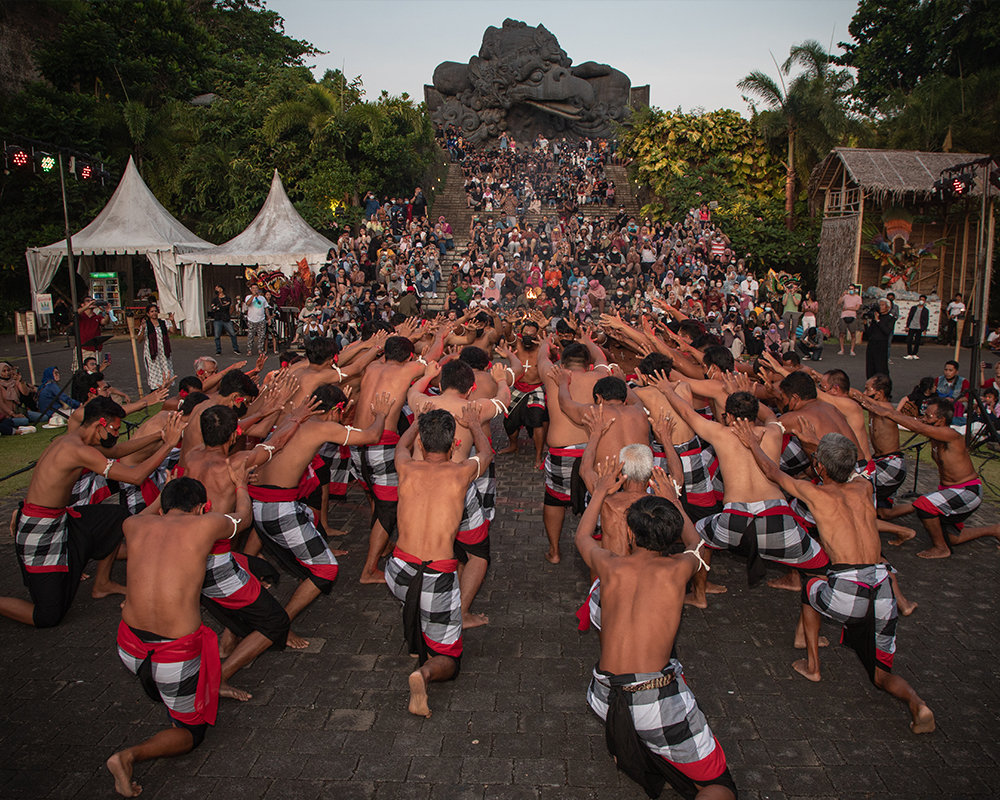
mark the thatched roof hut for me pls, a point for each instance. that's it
(866, 193)
(897, 176)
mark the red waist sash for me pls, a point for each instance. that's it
(203, 642)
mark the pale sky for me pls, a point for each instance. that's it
(691, 52)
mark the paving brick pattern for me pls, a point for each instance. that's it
(515, 724)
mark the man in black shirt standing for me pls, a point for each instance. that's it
(222, 304)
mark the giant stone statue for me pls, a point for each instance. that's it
(522, 82)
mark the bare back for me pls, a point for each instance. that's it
(744, 482)
(847, 522)
(562, 432)
(388, 376)
(431, 501)
(166, 568)
(642, 596)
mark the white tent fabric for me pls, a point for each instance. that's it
(134, 222)
(277, 239)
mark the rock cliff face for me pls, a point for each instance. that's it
(522, 82)
(24, 23)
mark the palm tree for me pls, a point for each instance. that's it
(809, 114)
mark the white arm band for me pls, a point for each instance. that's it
(349, 428)
(340, 373)
(107, 469)
(511, 375)
(500, 407)
(236, 524)
(269, 447)
(780, 426)
(697, 554)
(479, 465)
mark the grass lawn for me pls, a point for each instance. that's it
(17, 452)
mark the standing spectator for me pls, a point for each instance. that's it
(810, 308)
(91, 320)
(894, 313)
(917, 321)
(418, 204)
(956, 313)
(371, 205)
(155, 340)
(879, 329)
(850, 302)
(222, 307)
(791, 312)
(255, 307)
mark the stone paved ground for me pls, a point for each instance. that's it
(515, 724)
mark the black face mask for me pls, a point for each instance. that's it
(240, 410)
(527, 339)
(109, 440)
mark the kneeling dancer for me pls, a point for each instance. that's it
(856, 591)
(422, 571)
(161, 638)
(653, 726)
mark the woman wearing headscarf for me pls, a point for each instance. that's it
(156, 347)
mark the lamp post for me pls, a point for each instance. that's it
(72, 268)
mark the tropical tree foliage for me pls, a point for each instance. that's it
(809, 114)
(119, 81)
(687, 159)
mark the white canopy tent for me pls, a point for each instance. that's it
(277, 239)
(134, 222)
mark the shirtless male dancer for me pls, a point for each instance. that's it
(421, 572)
(856, 590)
(161, 638)
(472, 544)
(232, 593)
(375, 461)
(654, 728)
(287, 530)
(53, 542)
(566, 439)
(959, 493)
(756, 520)
(527, 405)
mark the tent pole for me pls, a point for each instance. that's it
(130, 321)
(72, 268)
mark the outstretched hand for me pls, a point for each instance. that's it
(737, 382)
(663, 427)
(609, 476)
(381, 404)
(748, 435)
(560, 375)
(663, 485)
(806, 432)
(309, 407)
(174, 429)
(240, 472)
(594, 421)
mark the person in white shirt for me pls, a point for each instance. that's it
(255, 307)
(956, 313)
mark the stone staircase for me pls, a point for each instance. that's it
(451, 203)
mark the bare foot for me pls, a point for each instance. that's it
(923, 721)
(691, 599)
(225, 690)
(106, 589)
(802, 667)
(906, 607)
(540, 463)
(903, 536)
(552, 559)
(338, 552)
(122, 772)
(335, 532)
(227, 643)
(511, 448)
(715, 588)
(418, 695)
(375, 576)
(84, 577)
(791, 581)
(296, 642)
(474, 620)
(800, 644)
(935, 552)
